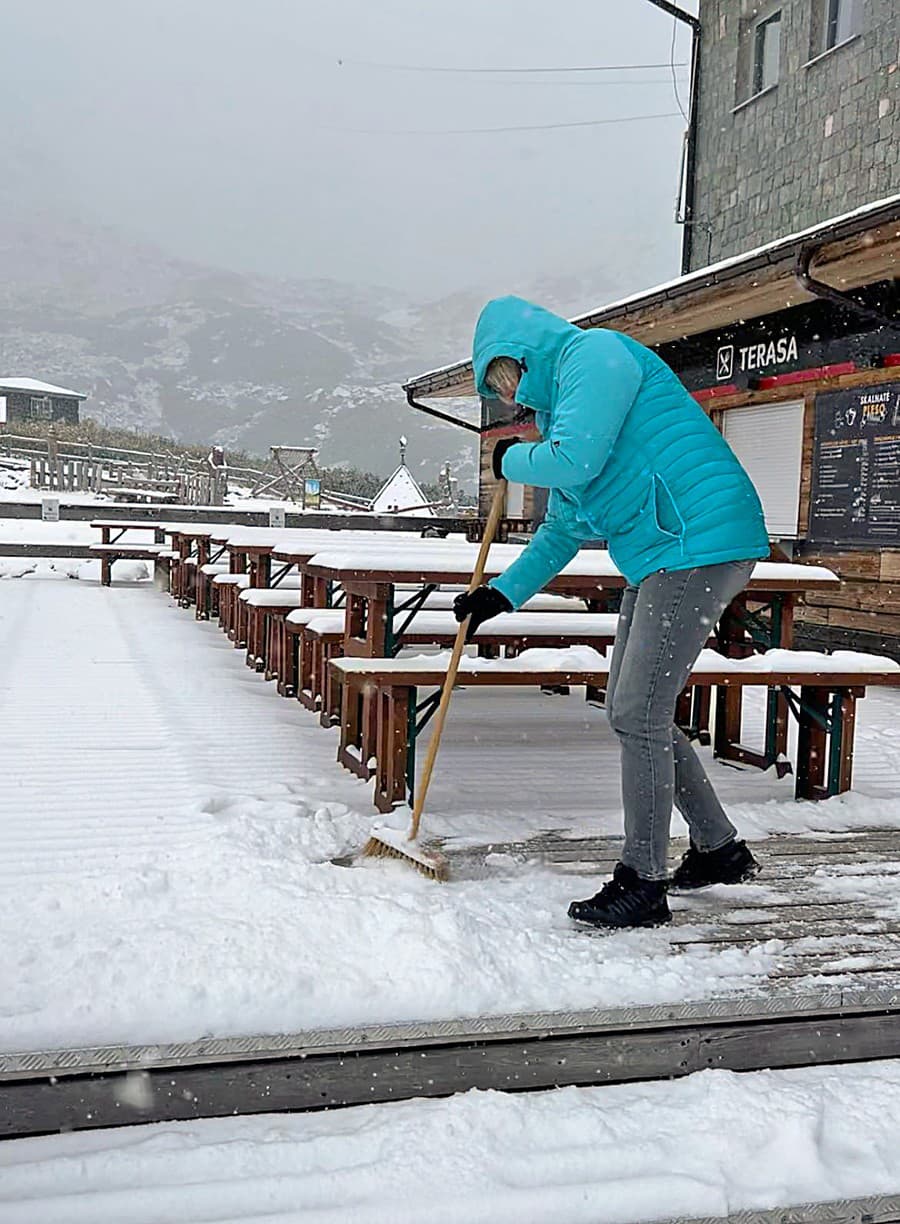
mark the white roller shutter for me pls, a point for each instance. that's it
(768, 440)
(515, 500)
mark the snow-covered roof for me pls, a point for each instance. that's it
(40, 388)
(756, 267)
(400, 494)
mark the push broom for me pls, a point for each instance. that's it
(385, 842)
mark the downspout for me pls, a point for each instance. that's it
(441, 416)
(820, 289)
(688, 219)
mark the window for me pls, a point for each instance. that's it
(840, 22)
(766, 52)
(833, 22)
(759, 51)
(41, 407)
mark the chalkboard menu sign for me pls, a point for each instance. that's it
(856, 467)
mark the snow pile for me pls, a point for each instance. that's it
(711, 1144)
(13, 480)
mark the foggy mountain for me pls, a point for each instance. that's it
(205, 355)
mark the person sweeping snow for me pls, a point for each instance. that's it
(628, 457)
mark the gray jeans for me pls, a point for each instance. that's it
(663, 625)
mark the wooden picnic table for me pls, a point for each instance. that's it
(257, 552)
(370, 581)
(761, 618)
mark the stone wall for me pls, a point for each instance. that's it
(823, 141)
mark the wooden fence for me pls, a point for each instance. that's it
(70, 467)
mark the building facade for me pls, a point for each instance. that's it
(28, 400)
(798, 117)
(794, 351)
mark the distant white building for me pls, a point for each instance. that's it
(400, 494)
(28, 399)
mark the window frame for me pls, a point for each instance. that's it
(748, 84)
(758, 83)
(835, 9)
(825, 33)
(40, 408)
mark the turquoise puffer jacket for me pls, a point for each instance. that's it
(627, 453)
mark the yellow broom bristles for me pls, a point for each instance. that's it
(430, 863)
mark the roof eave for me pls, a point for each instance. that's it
(767, 264)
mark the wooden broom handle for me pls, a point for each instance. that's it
(490, 531)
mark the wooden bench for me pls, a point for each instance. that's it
(207, 598)
(322, 638)
(825, 707)
(108, 553)
(261, 604)
(229, 587)
(304, 662)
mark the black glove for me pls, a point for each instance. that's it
(480, 604)
(500, 450)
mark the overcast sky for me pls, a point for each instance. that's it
(258, 135)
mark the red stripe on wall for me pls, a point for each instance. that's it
(708, 393)
(801, 376)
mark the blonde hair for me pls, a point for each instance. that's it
(502, 376)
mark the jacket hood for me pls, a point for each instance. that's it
(533, 336)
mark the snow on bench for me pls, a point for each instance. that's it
(442, 599)
(271, 597)
(505, 625)
(781, 666)
(241, 581)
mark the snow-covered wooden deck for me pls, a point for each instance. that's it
(171, 834)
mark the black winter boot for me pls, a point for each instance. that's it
(730, 864)
(625, 901)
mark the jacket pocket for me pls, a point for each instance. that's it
(657, 522)
(667, 516)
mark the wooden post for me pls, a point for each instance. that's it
(812, 743)
(728, 721)
(840, 770)
(349, 749)
(392, 745)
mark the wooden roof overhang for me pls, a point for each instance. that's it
(833, 258)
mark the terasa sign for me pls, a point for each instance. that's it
(776, 352)
(754, 356)
(802, 337)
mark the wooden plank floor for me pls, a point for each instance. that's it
(826, 906)
(796, 900)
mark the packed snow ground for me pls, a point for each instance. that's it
(711, 1144)
(167, 825)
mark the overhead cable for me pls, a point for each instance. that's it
(525, 127)
(565, 68)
